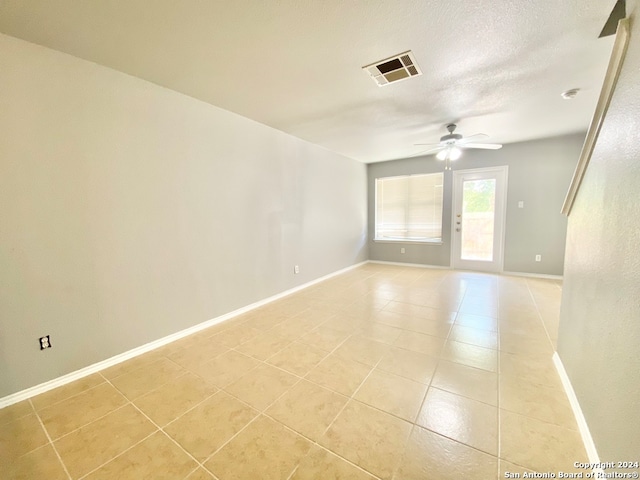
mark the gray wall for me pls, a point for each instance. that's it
(599, 333)
(539, 174)
(129, 212)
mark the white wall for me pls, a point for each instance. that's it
(599, 334)
(129, 212)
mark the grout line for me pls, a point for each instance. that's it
(438, 362)
(347, 461)
(13, 418)
(296, 467)
(46, 432)
(283, 370)
(193, 471)
(161, 429)
(94, 420)
(260, 413)
(435, 371)
(310, 440)
(231, 438)
(352, 397)
(540, 316)
(218, 390)
(118, 455)
(69, 397)
(459, 442)
(335, 454)
(315, 443)
(223, 389)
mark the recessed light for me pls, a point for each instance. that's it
(569, 94)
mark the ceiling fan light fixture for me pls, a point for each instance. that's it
(450, 153)
(455, 153)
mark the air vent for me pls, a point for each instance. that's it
(393, 69)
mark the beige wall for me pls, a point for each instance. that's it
(599, 336)
(129, 212)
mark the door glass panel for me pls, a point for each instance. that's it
(478, 212)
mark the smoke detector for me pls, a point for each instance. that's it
(393, 69)
(569, 94)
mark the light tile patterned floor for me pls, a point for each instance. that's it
(384, 372)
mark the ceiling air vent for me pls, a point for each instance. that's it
(393, 69)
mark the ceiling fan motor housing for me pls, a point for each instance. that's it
(451, 138)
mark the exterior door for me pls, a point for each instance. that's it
(478, 218)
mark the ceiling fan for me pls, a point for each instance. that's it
(451, 145)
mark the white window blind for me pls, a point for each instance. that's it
(409, 208)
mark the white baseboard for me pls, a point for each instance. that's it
(96, 367)
(534, 275)
(589, 446)
(447, 267)
(401, 264)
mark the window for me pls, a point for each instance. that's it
(409, 208)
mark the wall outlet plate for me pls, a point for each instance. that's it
(296, 269)
(45, 342)
(538, 258)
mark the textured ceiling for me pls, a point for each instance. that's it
(493, 66)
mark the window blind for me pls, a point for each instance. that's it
(409, 208)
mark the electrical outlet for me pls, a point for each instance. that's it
(45, 342)
(296, 269)
(521, 204)
(538, 258)
(402, 250)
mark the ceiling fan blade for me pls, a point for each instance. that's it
(486, 146)
(475, 136)
(427, 144)
(427, 151)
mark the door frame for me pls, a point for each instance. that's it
(502, 174)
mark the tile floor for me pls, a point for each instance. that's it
(384, 372)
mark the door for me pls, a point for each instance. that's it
(478, 218)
